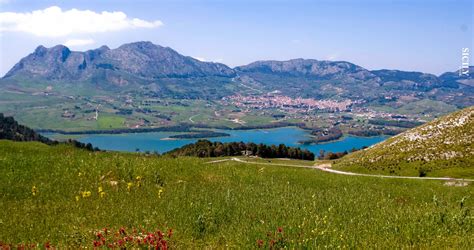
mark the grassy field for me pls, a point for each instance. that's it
(63, 195)
(110, 121)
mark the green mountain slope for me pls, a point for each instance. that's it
(443, 147)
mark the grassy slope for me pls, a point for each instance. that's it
(443, 147)
(225, 204)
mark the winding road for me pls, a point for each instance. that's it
(326, 167)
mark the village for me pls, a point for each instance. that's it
(283, 102)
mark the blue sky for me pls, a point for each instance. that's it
(408, 35)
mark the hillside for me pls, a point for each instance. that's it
(443, 147)
(11, 130)
(71, 198)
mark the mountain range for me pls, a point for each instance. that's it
(162, 70)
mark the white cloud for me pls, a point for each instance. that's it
(54, 22)
(78, 42)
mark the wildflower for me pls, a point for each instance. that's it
(34, 191)
(97, 243)
(160, 192)
(139, 179)
(99, 235)
(100, 190)
(280, 229)
(260, 243)
(272, 242)
(102, 194)
(86, 194)
(129, 186)
(159, 233)
(77, 197)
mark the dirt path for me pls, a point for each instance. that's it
(191, 118)
(326, 167)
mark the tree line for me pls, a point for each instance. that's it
(205, 148)
(323, 155)
(11, 130)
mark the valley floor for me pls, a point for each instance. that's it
(65, 196)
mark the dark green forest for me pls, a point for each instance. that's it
(205, 148)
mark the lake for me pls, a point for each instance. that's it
(155, 141)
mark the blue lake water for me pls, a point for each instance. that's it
(289, 136)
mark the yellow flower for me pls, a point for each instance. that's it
(129, 186)
(139, 181)
(100, 190)
(34, 191)
(160, 192)
(102, 194)
(77, 197)
(86, 194)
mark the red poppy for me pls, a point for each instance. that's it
(97, 243)
(159, 233)
(272, 242)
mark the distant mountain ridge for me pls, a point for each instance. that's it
(149, 60)
(141, 59)
(154, 68)
(310, 68)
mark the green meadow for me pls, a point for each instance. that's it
(64, 196)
